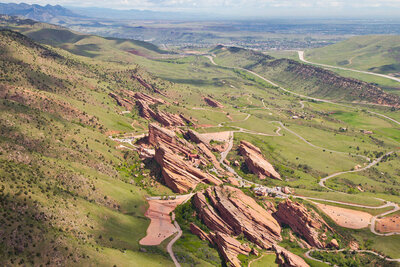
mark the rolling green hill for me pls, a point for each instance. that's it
(61, 176)
(376, 53)
(110, 49)
(305, 79)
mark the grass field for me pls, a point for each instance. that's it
(265, 260)
(377, 53)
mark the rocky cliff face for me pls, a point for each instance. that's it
(179, 174)
(179, 165)
(227, 211)
(212, 102)
(306, 223)
(230, 248)
(287, 259)
(165, 118)
(256, 162)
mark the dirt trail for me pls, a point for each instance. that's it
(307, 254)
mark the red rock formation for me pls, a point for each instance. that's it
(200, 233)
(165, 118)
(287, 259)
(180, 175)
(196, 137)
(209, 215)
(255, 161)
(213, 103)
(229, 212)
(307, 223)
(333, 244)
(233, 181)
(234, 211)
(210, 157)
(162, 136)
(187, 120)
(147, 98)
(230, 248)
(123, 102)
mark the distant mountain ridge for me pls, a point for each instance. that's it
(45, 13)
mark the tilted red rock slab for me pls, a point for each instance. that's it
(286, 258)
(255, 161)
(307, 223)
(180, 175)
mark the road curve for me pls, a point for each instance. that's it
(301, 57)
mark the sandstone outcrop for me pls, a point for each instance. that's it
(230, 248)
(255, 161)
(210, 157)
(228, 212)
(165, 118)
(180, 175)
(333, 244)
(318, 81)
(232, 212)
(148, 99)
(286, 258)
(212, 102)
(161, 136)
(123, 102)
(187, 120)
(306, 223)
(197, 138)
(147, 85)
(200, 233)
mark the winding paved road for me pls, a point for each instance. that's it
(301, 57)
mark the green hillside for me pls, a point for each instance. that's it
(110, 49)
(71, 196)
(60, 174)
(376, 53)
(305, 79)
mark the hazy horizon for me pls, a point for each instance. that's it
(257, 9)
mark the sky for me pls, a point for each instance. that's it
(312, 8)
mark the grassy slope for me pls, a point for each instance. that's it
(377, 53)
(300, 78)
(63, 198)
(110, 49)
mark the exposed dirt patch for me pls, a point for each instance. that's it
(388, 224)
(346, 217)
(219, 136)
(161, 226)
